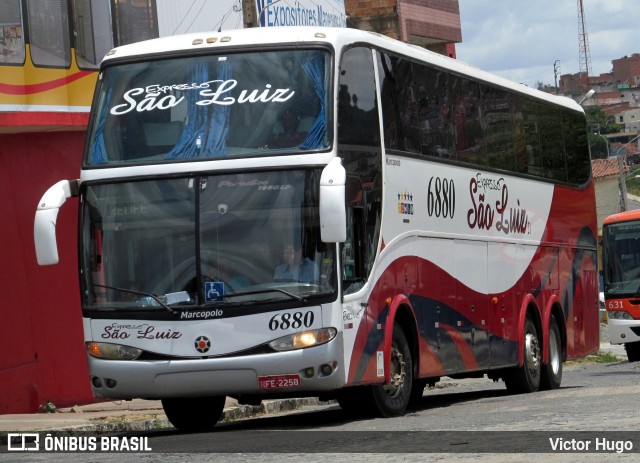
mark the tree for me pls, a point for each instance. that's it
(600, 123)
(598, 145)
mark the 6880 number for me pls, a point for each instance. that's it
(441, 198)
(293, 320)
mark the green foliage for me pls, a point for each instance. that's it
(599, 121)
(597, 357)
(598, 145)
(633, 183)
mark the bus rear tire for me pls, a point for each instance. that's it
(392, 399)
(633, 351)
(198, 414)
(552, 370)
(526, 378)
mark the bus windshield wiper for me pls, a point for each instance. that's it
(269, 290)
(158, 299)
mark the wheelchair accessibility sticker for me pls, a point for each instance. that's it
(214, 291)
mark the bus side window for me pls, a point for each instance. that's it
(434, 112)
(470, 137)
(499, 131)
(357, 104)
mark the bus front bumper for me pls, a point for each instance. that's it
(277, 373)
(623, 331)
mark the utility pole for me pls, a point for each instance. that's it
(249, 14)
(622, 184)
(556, 70)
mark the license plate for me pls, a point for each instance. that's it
(279, 381)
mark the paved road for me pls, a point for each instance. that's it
(593, 397)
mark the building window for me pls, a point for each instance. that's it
(94, 37)
(11, 36)
(136, 20)
(49, 33)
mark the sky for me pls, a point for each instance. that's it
(521, 39)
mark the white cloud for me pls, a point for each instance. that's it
(521, 39)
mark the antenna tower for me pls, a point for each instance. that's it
(583, 41)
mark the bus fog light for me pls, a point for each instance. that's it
(308, 372)
(110, 383)
(304, 339)
(326, 369)
(97, 382)
(108, 351)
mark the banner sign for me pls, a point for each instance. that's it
(325, 13)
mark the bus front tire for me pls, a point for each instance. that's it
(633, 351)
(552, 370)
(392, 399)
(384, 400)
(194, 414)
(526, 378)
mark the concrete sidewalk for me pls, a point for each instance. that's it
(615, 349)
(132, 415)
(144, 415)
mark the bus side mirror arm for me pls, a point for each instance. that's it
(333, 214)
(44, 227)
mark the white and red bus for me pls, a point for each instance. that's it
(325, 212)
(621, 278)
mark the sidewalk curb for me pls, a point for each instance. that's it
(148, 420)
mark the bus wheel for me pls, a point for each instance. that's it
(527, 377)
(355, 401)
(633, 351)
(392, 399)
(194, 414)
(552, 371)
(417, 391)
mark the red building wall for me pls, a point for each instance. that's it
(433, 24)
(42, 356)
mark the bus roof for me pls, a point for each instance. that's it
(335, 36)
(622, 217)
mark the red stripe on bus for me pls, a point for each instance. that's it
(466, 353)
(11, 89)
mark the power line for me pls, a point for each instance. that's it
(184, 17)
(197, 14)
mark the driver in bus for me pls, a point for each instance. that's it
(296, 267)
(289, 136)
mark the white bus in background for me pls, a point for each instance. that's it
(324, 212)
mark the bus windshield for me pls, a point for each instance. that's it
(217, 239)
(211, 107)
(621, 259)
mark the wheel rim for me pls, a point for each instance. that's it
(532, 354)
(554, 352)
(397, 377)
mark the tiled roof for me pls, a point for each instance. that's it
(606, 167)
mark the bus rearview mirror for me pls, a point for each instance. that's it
(44, 227)
(333, 218)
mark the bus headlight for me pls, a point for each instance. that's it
(620, 315)
(302, 340)
(108, 351)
